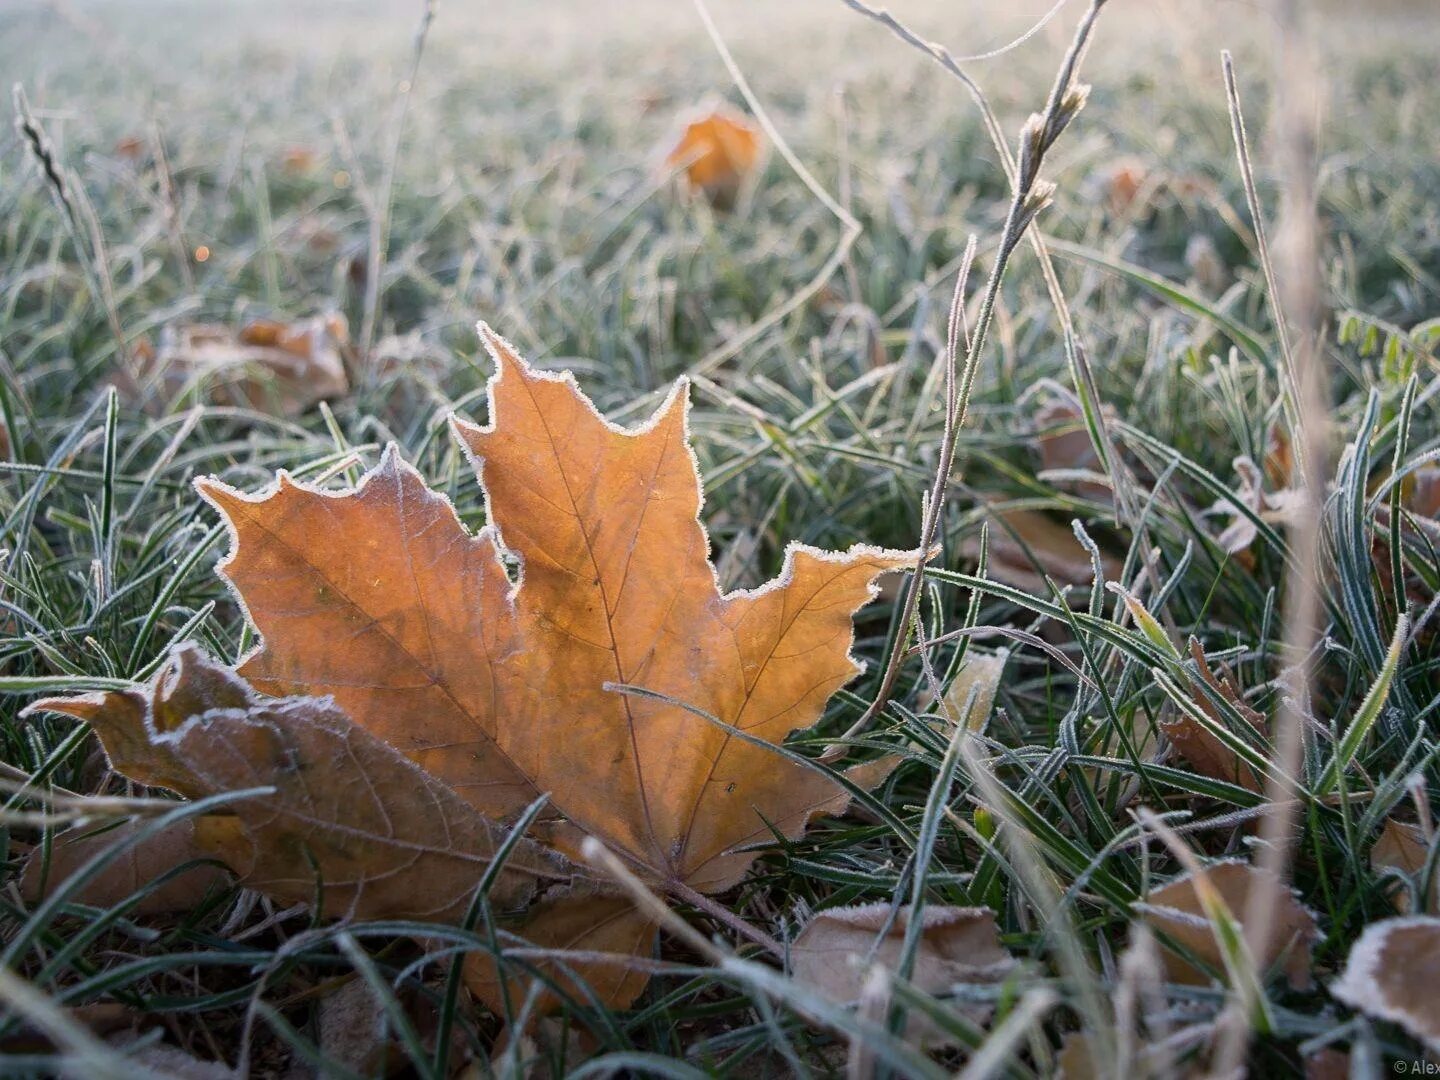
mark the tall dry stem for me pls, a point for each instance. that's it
(1031, 195)
(1297, 277)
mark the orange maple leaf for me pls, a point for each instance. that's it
(380, 597)
(717, 151)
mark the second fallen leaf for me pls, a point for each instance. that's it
(957, 946)
(1176, 911)
(715, 153)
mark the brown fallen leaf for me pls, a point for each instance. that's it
(1122, 181)
(382, 838)
(1420, 491)
(284, 368)
(1076, 1060)
(300, 160)
(354, 1032)
(132, 148)
(102, 1018)
(1392, 973)
(140, 865)
(582, 918)
(1327, 1063)
(536, 1052)
(1279, 455)
(837, 948)
(1277, 507)
(1419, 536)
(162, 1060)
(1176, 911)
(1055, 550)
(380, 597)
(1067, 456)
(718, 149)
(1200, 746)
(975, 685)
(1209, 276)
(1403, 847)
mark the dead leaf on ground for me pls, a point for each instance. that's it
(141, 864)
(284, 368)
(1076, 1060)
(1419, 535)
(384, 839)
(837, 948)
(1279, 455)
(1056, 552)
(1176, 912)
(535, 1053)
(975, 684)
(1067, 456)
(1420, 491)
(1122, 180)
(1198, 744)
(1209, 276)
(1274, 507)
(1327, 1063)
(1403, 847)
(380, 597)
(582, 918)
(1392, 973)
(161, 1060)
(354, 1032)
(101, 1018)
(717, 150)
(299, 160)
(132, 148)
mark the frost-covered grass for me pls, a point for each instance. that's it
(527, 192)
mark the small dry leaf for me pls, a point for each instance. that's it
(1197, 744)
(1176, 911)
(299, 160)
(383, 838)
(353, 1029)
(1123, 181)
(837, 949)
(380, 597)
(717, 151)
(1067, 456)
(1421, 491)
(161, 1060)
(1208, 273)
(283, 368)
(141, 864)
(1392, 974)
(1279, 455)
(975, 684)
(101, 1018)
(534, 1053)
(1076, 1060)
(1055, 550)
(132, 147)
(1403, 847)
(1278, 507)
(1328, 1063)
(1419, 533)
(581, 918)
